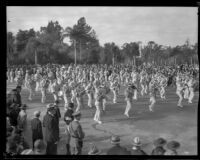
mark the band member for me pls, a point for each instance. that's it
(186, 88)
(143, 82)
(152, 93)
(191, 84)
(114, 88)
(129, 98)
(134, 77)
(106, 90)
(30, 86)
(37, 77)
(179, 90)
(163, 84)
(89, 90)
(79, 92)
(11, 75)
(98, 104)
(44, 86)
(66, 94)
(55, 89)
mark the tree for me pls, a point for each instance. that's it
(10, 47)
(22, 38)
(80, 34)
(131, 50)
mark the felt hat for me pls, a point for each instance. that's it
(51, 105)
(115, 139)
(159, 142)
(173, 145)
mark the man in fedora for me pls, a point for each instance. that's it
(172, 147)
(136, 150)
(77, 134)
(57, 114)
(22, 119)
(51, 133)
(159, 150)
(36, 127)
(117, 149)
(68, 118)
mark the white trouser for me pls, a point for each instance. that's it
(55, 96)
(104, 104)
(191, 95)
(162, 92)
(11, 79)
(115, 96)
(79, 104)
(66, 100)
(43, 91)
(152, 103)
(135, 94)
(144, 89)
(89, 99)
(186, 93)
(179, 93)
(128, 106)
(31, 93)
(97, 116)
(37, 86)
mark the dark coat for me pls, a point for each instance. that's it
(17, 98)
(36, 127)
(57, 116)
(76, 133)
(138, 151)
(51, 129)
(68, 115)
(118, 150)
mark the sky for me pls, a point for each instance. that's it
(163, 25)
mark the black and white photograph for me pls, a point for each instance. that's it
(102, 80)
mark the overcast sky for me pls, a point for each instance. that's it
(164, 25)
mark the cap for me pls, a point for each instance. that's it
(136, 141)
(37, 113)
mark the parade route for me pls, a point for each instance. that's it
(167, 121)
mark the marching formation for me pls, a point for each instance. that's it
(71, 83)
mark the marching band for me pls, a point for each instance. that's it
(72, 83)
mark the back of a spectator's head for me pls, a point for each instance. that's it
(11, 146)
(37, 114)
(115, 140)
(39, 147)
(159, 142)
(18, 88)
(173, 145)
